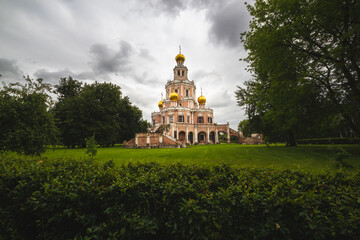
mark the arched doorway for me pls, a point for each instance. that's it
(182, 137)
(212, 137)
(191, 138)
(202, 137)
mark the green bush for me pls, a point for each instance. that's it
(329, 141)
(79, 199)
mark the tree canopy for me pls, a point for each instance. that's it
(27, 125)
(305, 58)
(95, 109)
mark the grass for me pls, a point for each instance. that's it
(310, 157)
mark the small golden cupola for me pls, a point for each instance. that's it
(160, 104)
(201, 99)
(180, 58)
(173, 96)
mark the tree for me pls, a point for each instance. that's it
(27, 125)
(244, 126)
(304, 56)
(91, 146)
(98, 108)
(67, 111)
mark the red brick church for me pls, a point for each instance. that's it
(182, 118)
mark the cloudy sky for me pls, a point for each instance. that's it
(131, 43)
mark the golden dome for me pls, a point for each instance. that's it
(160, 104)
(201, 99)
(180, 57)
(174, 96)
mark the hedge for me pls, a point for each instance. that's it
(80, 199)
(329, 141)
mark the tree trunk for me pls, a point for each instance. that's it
(291, 141)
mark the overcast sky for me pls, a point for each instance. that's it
(131, 43)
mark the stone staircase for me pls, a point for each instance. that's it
(162, 128)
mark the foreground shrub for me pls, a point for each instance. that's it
(79, 199)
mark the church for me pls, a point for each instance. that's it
(182, 119)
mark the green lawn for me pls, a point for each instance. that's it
(280, 157)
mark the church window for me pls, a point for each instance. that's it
(200, 119)
(171, 119)
(188, 119)
(176, 90)
(178, 72)
(209, 120)
(183, 73)
(175, 134)
(180, 118)
(163, 119)
(154, 122)
(187, 92)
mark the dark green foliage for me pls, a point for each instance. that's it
(96, 108)
(26, 124)
(304, 57)
(341, 155)
(91, 146)
(79, 199)
(329, 141)
(244, 126)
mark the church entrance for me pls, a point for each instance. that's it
(212, 137)
(202, 137)
(190, 138)
(182, 137)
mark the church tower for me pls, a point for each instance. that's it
(181, 85)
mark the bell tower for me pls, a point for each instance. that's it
(180, 71)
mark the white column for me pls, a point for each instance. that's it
(187, 135)
(177, 132)
(148, 139)
(216, 136)
(196, 136)
(136, 139)
(208, 135)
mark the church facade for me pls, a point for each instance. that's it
(183, 116)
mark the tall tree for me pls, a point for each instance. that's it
(95, 109)
(68, 112)
(304, 56)
(27, 125)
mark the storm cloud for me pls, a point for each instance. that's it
(53, 77)
(106, 60)
(227, 22)
(9, 71)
